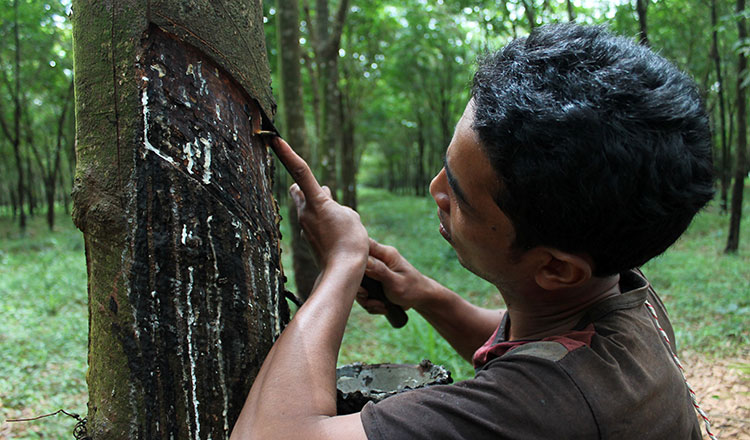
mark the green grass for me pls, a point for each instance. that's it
(43, 326)
(43, 316)
(707, 292)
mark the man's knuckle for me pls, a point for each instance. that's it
(298, 172)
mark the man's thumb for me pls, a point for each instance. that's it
(376, 269)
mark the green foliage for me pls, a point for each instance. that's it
(43, 330)
(405, 68)
(44, 74)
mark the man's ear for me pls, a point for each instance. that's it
(562, 270)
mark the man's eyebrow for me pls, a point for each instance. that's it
(454, 183)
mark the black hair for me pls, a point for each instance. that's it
(602, 146)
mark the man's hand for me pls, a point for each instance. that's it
(403, 284)
(464, 325)
(335, 232)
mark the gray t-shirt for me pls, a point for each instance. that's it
(612, 377)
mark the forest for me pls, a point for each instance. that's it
(368, 92)
(382, 85)
(404, 69)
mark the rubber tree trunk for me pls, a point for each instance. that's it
(571, 11)
(528, 8)
(348, 153)
(30, 186)
(641, 7)
(740, 171)
(173, 195)
(305, 270)
(421, 181)
(50, 168)
(327, 55)
(17, 119)
(724, 166)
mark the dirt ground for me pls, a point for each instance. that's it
(723, 390)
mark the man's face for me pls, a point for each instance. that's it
(470, 220)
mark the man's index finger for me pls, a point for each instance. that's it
(297, 168)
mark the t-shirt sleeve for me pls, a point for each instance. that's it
(517, 397)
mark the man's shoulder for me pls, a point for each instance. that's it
(552, 351)
(524, 395)
(610, 378)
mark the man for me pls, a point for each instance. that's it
(579, 157)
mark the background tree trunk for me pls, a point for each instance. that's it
(29, 187)
(421, 181)
(14, 203)
(50, 168)
(305, 270)
(528, 9)
(716, 55)
(173, 195)
(641, 7)
(327, 53)
(733, 240)
(571, 11)
(16, 137)
(349, 162)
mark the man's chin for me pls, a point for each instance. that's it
(473, 269)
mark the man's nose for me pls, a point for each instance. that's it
(437, 190)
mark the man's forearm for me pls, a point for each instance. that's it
(296, 387)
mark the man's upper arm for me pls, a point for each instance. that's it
(348, 427)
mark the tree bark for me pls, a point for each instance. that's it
(52, 168)
(313, 73)
(528, 9)
(16, 138)
(641, 7)
(571, 11)
(326, 53)
(348, 152)
(733, 240)
(13, 203)
(724, 167)
(173, 195)
(348, 109)
(305, 270)
(421, 181)
(29, 187)
(64, 191)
